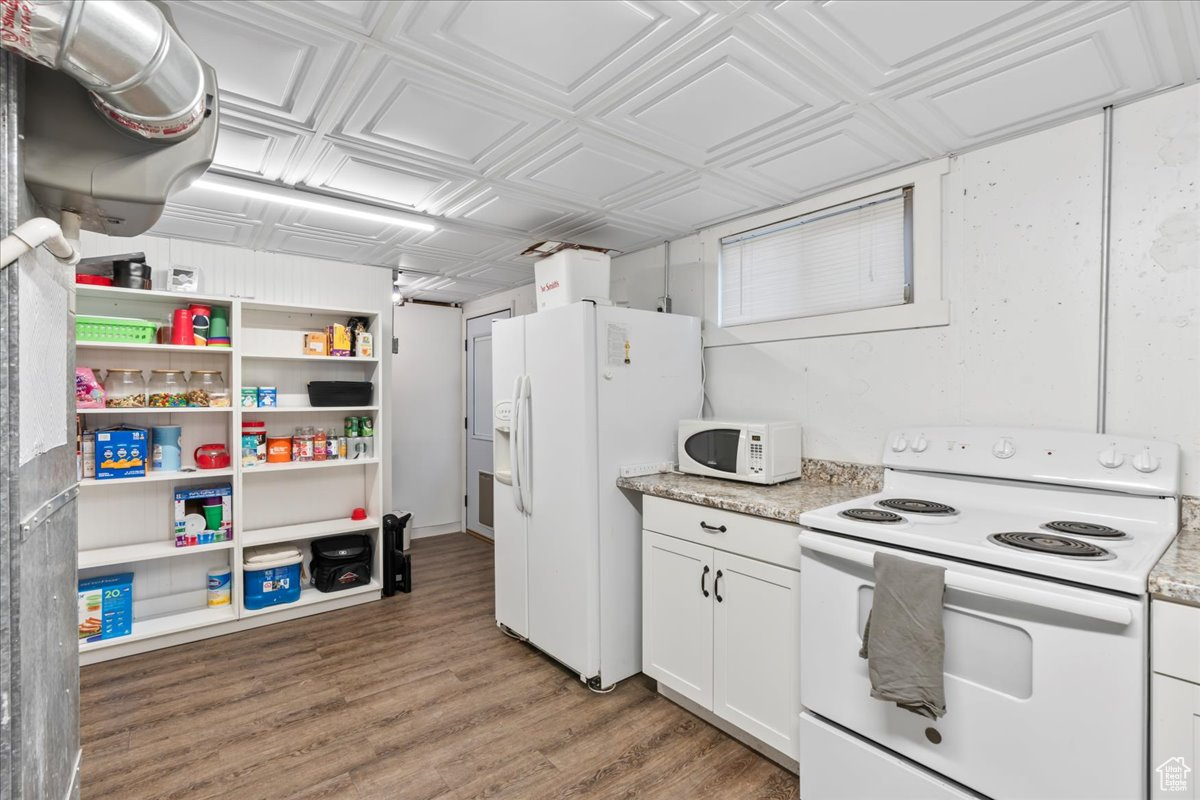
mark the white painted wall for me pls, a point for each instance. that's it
(427, 399)
(1021, 247)
(521, 300)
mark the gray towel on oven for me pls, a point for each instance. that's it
(904, 642)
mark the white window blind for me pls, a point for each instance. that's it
(846, 258)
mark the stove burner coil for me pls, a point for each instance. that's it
(1054, 545)
(871, 515)
(917, 506)
(1084, 529)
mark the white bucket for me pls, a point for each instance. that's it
(569, 276)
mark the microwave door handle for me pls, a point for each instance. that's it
(513, 434)
(526, 446)
(973, 584)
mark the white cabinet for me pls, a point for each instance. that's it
(1174, 738)
(756, 648)
(720, 628)
(677, 615)
(1175, 701)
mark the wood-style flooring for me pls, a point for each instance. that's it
(416, 696)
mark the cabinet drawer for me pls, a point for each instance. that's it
(764, 539)
(1175, 640)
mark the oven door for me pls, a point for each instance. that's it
(1045, 683)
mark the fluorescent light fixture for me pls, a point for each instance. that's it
(297, 199)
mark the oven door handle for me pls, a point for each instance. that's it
(1092, 609)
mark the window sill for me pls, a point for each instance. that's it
(930, 314)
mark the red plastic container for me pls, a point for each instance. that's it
(93, 280)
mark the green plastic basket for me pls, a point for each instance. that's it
(115, 329)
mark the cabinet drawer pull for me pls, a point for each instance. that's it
(703, 580)
(712, 528)
(717, 587)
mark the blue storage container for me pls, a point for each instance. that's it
(272, 576)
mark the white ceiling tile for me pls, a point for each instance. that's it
(614, 235)
(592, 169)
(358, 16)
(410, 110)
(461, 242)
(285, 240)
(265, 62)
(697, 203)
(181, 224)
(250, 146)
(562, 52)
(505, 208)
(503, 274)
(380, 179)
(730, 93)
(1086, 67)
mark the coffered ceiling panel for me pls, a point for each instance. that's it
(622, 123)
(409, 111)
(592, 169)
(560, 52)
(729, 94)
(1087, 66)
(377, 179)
(265, 62)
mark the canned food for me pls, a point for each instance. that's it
(366, 427)
(352, 428)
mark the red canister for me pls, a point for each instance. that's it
(181, 327)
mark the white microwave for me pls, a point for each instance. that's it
(755, 452)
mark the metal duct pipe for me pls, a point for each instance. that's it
(141, 74)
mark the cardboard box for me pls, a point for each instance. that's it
(105, 607)
(189, 502)
(316, 344)
(121, 452)
(339, 340)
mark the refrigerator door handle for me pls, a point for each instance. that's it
(513, 451)
(526, 448)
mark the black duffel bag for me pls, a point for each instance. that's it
(341, 562)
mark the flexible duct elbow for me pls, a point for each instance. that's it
(141, 75)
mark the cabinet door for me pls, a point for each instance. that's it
(677, 615)
(1174, 739)
(756, 649)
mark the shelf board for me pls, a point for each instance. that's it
(167, 623)
(147, 551)
(120, 293)
(310, 596)
(305, 409)
(340, 462)
(155, 477)
(147, 410)
(306, 530)
(156, 348)
(279, 308)
(302, 357)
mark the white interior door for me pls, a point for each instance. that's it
(480, 484)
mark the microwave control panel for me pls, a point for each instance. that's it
(756, 453)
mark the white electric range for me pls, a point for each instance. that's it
(1047, 538)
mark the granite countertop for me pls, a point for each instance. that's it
(783, 501)
(1176, 577)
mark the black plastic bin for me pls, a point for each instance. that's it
(340, 393)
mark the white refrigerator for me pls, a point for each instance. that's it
(578, 392)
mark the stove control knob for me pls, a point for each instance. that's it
(920, 445)
(1145, 461)
(899, 444)
(1111, 459)
(1003, 448)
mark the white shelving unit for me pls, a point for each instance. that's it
(126, 525)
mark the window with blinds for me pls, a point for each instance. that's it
(854, 256)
